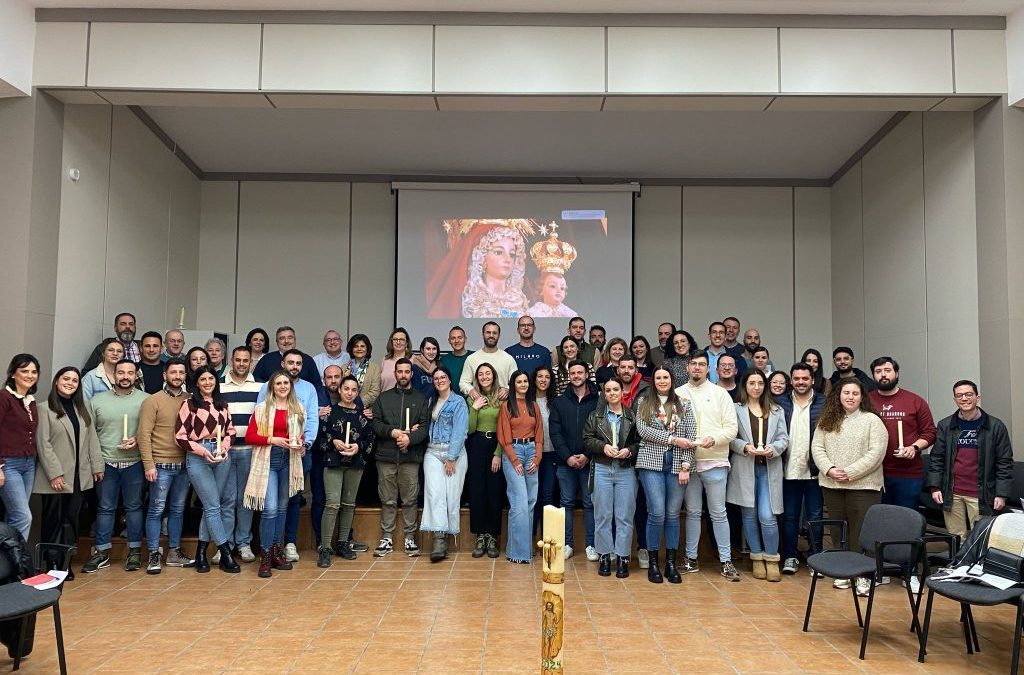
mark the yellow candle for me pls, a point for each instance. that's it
(407, 427)
(181, 317)
(125, 435)
(899, 432)
(760, 431)
(218, 438)
(348, 428)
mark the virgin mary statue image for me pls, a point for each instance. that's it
(482, 274)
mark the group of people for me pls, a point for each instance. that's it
(637, 434)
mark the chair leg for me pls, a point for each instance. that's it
(22, 640)
(915, 625)
(810, 599)
(974, 629)
(856, 602)
(1016, 638)
(59, 630)
(867, 619)
(927, 623)
(965, 623)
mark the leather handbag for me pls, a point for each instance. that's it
(1004, 564)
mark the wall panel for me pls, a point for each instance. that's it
(218, 258)
(372, 269)
(980, 63)
(847, 246)
(657, 247)
(812, 270)
(61, 52)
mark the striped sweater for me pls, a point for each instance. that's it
(241, 400)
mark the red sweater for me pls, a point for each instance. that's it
(252, 433)
(17, 426)
(917, 425)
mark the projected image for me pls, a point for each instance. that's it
(494, 268)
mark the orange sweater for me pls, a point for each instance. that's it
(521, 426)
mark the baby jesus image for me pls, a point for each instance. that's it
(553, 258)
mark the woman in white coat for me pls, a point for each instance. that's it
(755, 480)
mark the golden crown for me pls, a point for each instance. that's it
(552, 254)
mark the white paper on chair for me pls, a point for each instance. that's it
(42, 582)
(972, 573)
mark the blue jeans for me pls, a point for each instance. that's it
(799, 496)
(275, 508)
(761, 515)
(522, 498)
(126, 484)
(240, 521)
(903, 491)
(664, 502)
(570, 483)
(614, 499)
(211, 484)
(546, 477)
(291, 522)
(169, 490)
(19, 474)
(712, 482)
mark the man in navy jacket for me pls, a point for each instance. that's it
(800, 490)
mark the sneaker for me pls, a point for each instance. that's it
(98, 561)
(133, 563)
(323, 558)
(481, 546)
(863, 587)
(915, 585)
(216, 557)
(492, 547)
(841, 583)
(154, 563)
(291, 554)
(358, 546)
(177, 558)
(689, 566)
(883, 581)
(592, 555)
(411, 549)
(246, 554)
(383, 548)
(643, 558)
(790, 566)
(729, 571)
(568, 552)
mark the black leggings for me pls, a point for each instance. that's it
(486, 489)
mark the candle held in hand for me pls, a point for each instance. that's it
(217, 452)
(407, 427)
(899, 434)
(348, 430)
(760, 432)
(124, 436)
(615, 436)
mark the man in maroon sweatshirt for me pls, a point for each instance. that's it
(911, 430)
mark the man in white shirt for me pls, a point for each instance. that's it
(334, 353)
(502, 361)
(716, 427)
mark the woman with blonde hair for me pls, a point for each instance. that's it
(399, 347)
(275, 432)
(613, 351)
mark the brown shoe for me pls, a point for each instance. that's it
(757, 565)
(277, 559)
(772, 571)
(265, 565)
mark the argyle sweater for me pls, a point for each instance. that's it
(199, 424)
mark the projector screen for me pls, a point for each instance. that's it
(468, 254)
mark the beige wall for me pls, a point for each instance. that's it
(904, 266)
(129, 231)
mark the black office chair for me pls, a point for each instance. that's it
(894, 535)
(18, 601)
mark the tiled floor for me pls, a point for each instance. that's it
(472, 616)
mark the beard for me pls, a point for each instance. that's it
(125, 336)
(888, 385)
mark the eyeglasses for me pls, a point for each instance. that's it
(965, 395)
(331, 340)
(526, 325)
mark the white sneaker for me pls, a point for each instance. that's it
(915, 585)
(568, 552)
(291, 554)
(883, 581)
(863, 587)
(592, 555)
(643, 558)
(841, 583)
(246, 553)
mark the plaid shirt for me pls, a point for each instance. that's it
(654, 439)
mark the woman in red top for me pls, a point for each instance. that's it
(521, 436)
(18, 423)
(275, 432)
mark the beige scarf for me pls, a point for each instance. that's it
(259, 472)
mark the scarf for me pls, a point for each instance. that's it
(259, 472)
(427, 367)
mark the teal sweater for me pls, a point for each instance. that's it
(108, 411)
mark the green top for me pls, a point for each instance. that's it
(108, 411)
(484, 419)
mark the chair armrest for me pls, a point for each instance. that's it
(952, 542)
(822, 524)
(64, 554)
(916, 549)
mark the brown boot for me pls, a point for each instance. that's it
(265, 565)
(771, 563)
(277, 559)
(757, 565)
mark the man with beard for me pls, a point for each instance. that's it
(906, 412)
(273, 361)
(527, 353)
(503, 363)
(151, 367)
(732, 334)
(665, 331)
(751, 341)
(577, 329)
(598, 337)
(842, 359)
(124, 331)
(633, 389)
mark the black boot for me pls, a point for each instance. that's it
(202, 563)
(345, 551)
(671, 573)
(604, 568)
(622, 569)
(227, 560)
(653, 572)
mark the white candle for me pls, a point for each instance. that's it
(348, 428)
(181, 317)
(615, 436)
(698, 424)
(899, 432)
(407, 427)
(218, 439)
(760, 432)
(125, 434)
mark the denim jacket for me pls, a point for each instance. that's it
(451, 425)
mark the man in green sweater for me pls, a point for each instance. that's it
(116, 416)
